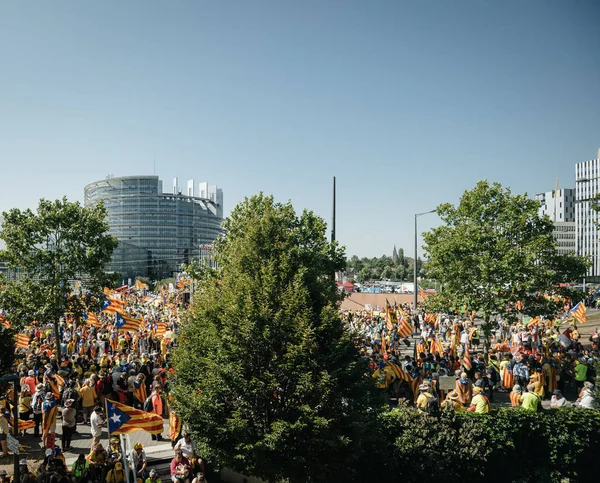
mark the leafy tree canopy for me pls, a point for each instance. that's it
(494, 252)
(384, 267)
(269, 381)
(60, 245)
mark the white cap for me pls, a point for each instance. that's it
(23, 462)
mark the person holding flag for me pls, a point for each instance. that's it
(579, 312)
(50, 410)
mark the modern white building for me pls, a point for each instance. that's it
(559, 206)
(587, 178)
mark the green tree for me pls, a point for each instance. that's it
(7, 349)
(493, 251)
(269, 381)
(365, 274)
(62, 244)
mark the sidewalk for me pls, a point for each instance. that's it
(81, 444)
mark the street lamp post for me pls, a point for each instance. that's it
(415, 261)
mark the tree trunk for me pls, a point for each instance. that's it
(57, 337)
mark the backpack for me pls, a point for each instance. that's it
(148, 406)
(433, 406)
(107, 385)
(37, 403)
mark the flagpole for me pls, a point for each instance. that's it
(125, 459)
(106, 412)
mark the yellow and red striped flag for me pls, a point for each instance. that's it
(405, 329)
(112, 305)
(174, 426)
(48, 417)
(124, 419)
(22, 341)
(436, 346)
(92, 320)
(139, 391)
(140, 285)
(390, 316)
(4, 322)
(467, 358)
(422, 293)
(399, 372)
(23, 425)
(124, 322)
(161, 329)
(579, 312)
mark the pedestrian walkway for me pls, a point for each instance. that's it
(81, 444)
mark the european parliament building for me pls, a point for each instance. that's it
(157, 231)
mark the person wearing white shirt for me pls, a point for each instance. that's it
(186, 446)
(586, 398)
(557, 400)
(96, 423)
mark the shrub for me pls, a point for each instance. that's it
(509, 444)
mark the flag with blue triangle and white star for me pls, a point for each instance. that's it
(123, 419)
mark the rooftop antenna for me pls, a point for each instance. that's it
(555, 195)
(154, 172)
(333, 214)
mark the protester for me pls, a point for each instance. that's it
(530, 400)
(96, 423)
(557, 400)
(586, 396)
(180, 468)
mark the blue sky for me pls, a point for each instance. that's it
(407, 103)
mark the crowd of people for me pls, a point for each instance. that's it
(438, 361)
(100, 360)
(433, 362)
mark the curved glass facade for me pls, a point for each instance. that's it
(157, 232)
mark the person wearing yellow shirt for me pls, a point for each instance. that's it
(25, 405)
(479, 404)
(88, 399)
(580, 373)
(535, 379)
(425, 399)
(530, 400)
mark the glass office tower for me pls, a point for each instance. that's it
(157, 232)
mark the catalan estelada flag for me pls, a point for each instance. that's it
(22, 341)
(139, 391)
(578, 312)
(49, 412)
(112, 305)
(124, 322)
(467, 359)
(405, 328)
(124, 419)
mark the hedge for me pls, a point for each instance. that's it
(506, 445)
